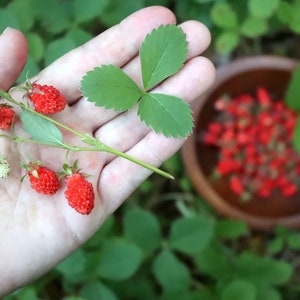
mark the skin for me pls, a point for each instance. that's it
(37, 231)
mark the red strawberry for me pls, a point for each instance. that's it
(42, 179)
(80, 193)
(46, 99)
(7, 117)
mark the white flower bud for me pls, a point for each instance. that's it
(4, 168)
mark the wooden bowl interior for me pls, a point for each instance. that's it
(206, 156)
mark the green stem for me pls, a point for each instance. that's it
(97, 144)
(137, 161)
(8, 97)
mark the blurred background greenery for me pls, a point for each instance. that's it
(165, 242)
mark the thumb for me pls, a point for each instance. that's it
(13, 55)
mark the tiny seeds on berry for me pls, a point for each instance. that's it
(7, 117)
(46, 99)
(79, 193)
(42, 179)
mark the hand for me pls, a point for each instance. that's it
(37, 232)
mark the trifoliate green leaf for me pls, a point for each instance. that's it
(40, 129)
(166, 114)
(162, 54)
(110, 87)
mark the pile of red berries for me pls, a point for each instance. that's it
(254, 136)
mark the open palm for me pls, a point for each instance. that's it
(38, 231)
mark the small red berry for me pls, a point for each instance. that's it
(289, 190)
(42, 179)
(46, 99)
(263, 96)
(264, 192)
(209, 138)
(80, 193)
(236, 185)
(7, 117)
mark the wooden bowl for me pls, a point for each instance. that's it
(241, 76)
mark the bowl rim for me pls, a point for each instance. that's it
(188, 150)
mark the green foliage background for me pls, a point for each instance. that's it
(165, 242)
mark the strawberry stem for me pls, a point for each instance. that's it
(88, 139)
(137, 161)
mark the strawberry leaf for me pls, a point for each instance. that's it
(40, 129)
(162, 54)
(110, 87)
(166, 114)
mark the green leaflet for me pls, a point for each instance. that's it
(170, 271)
(40, 129)
(166, 114)
(110, 87)
(162, 54)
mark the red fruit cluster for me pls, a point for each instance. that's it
(79, 192)
(7, 117)
(254, 136)
(46, 99)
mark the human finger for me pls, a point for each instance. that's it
(13, 55)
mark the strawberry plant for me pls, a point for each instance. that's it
(162, 54)
(110, 87)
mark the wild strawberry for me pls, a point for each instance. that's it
(80, 193)
(46, 99)
(236, 185)
(263, 97)
(42, 179)
(7, 117)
